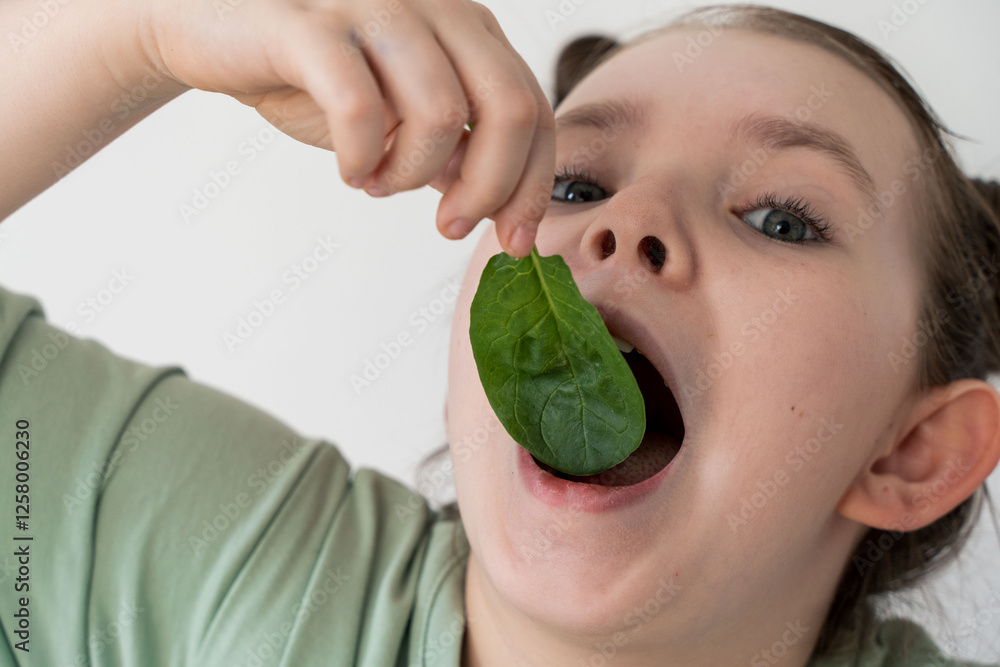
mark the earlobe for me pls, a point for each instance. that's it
(950, 447)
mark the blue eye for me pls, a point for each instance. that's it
(576, 187)
(789, 220)
(780, 225)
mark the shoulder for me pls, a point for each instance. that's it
(217, 530)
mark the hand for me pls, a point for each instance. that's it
(389, 85)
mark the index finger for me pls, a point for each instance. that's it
(507, 167)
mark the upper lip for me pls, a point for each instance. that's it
(622, 325)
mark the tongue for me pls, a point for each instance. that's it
(650, 457)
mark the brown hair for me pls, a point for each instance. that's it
(959, 236)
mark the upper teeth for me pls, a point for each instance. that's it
(623, 346)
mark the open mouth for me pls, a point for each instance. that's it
(664, 429)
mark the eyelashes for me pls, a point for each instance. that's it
(795, 206)
(576, 185)
(567, 177)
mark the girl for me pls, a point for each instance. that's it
(162, 522)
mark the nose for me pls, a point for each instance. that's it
(651, 250)
(640, 230)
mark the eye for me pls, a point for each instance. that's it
(576, 187)
(780, 225)
(790, 220)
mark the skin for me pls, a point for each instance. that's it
(419, 71)
(824, 358)
(549, 585)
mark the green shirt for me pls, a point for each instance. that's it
(168, 523)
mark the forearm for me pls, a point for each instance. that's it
(76, 75)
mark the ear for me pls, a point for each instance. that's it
(949, 445)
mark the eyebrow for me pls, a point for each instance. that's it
(778, 133)
(606, 115)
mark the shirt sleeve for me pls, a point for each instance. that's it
(163, 522)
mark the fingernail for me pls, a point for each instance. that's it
(377, 191)
(524, 238)
(356, 182)
(460, 228)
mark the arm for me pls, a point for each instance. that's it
(72, 86)
(316, 69)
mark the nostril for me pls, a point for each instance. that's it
(608, 243)
(653, 249)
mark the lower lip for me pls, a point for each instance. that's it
(592, 498)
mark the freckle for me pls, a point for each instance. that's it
(793, 408)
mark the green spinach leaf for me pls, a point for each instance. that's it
(551, 371)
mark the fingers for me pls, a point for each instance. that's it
(325, 61)
(431, 68)
(419, 80)
(517, 220)
(520, 216)
(506, 171)
(445, 178)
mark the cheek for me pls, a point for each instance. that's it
(473, 428)
(808, 399)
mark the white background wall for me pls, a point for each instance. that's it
(194, 279)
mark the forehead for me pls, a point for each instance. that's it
(703, 82)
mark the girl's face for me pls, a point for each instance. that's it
(787, 359)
